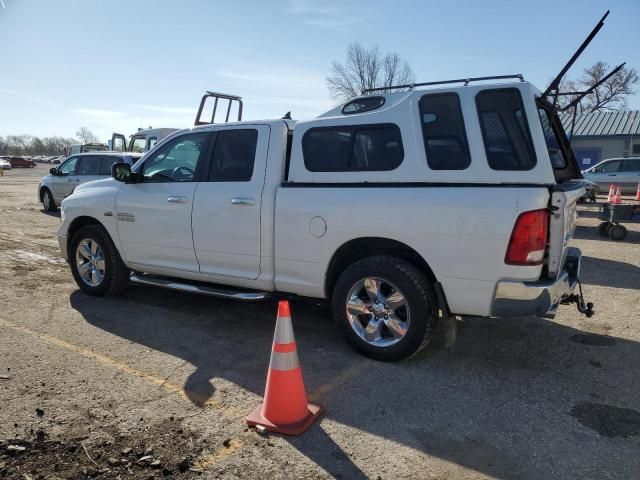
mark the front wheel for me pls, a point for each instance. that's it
(385, 308)
(48, 203)
(95, 262)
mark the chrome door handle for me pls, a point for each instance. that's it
(242, 201)
(177, 199)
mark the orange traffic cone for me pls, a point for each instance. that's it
(638, 193)
(611, 194)
(285, 408)
(618, 198)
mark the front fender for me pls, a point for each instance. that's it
(94, 201)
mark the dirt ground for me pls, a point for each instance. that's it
(156, 384)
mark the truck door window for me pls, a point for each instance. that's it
(138, 144)
(176, 161)
(89, 165)
(152, 142)
(551, 139)
(376, 147)
(233, 156)
(505, 131)
(445, 140)
(68, 167)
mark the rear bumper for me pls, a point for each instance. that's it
(517, 299)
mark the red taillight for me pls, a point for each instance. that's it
(528, 239)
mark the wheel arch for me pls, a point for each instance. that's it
(41, 192)
(363, 247)
(80, 222)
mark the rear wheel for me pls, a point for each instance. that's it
(603, 228)
(48, 203)
(95, 262)
(385, 308)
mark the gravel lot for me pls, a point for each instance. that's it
(88, 386)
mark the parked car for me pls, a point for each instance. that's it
(76, 170)
(623, 172)
(395, 207)
(141, 141)
(5, 164)
(21, 162)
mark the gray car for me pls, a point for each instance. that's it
(76, 170)
(623, 172)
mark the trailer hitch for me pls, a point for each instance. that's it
(583, 307)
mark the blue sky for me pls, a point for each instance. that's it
(118, 65)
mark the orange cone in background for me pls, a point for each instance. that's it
(618, 198)
(611, 194)
(285, 408)
(638, 193)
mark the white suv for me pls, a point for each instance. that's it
(76, 170)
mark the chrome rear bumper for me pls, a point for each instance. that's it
(517, 299)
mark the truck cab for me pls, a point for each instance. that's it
(140, 142)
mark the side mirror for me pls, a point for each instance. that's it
(122, 172)
(53, 171)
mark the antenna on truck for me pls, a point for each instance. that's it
(217, 97)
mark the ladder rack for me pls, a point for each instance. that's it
(217, 96)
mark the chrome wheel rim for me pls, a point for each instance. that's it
(378, 311)
(90, 262)
(47, 201)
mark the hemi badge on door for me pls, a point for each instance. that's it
(125, 217)
(108, 214)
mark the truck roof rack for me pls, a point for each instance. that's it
(218, 96)
(466, 82)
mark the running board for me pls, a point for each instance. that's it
(199, 289)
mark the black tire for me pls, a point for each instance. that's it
(116, 275)
(415, 288)
(603, 229)
(48, 203)
(617, 232)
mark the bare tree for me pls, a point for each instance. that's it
(366, 68)
(86, 136)
(611, 95)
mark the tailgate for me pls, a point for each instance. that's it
(562, 223)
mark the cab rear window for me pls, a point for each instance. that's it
(505, 130)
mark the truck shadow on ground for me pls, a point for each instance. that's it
(513, 398)
(609, 273)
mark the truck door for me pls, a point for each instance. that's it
(226, 209)
(154, 215)
(118, 142)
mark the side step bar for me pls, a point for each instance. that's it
(199, 289)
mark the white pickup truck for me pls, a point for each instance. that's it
(399, 208)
